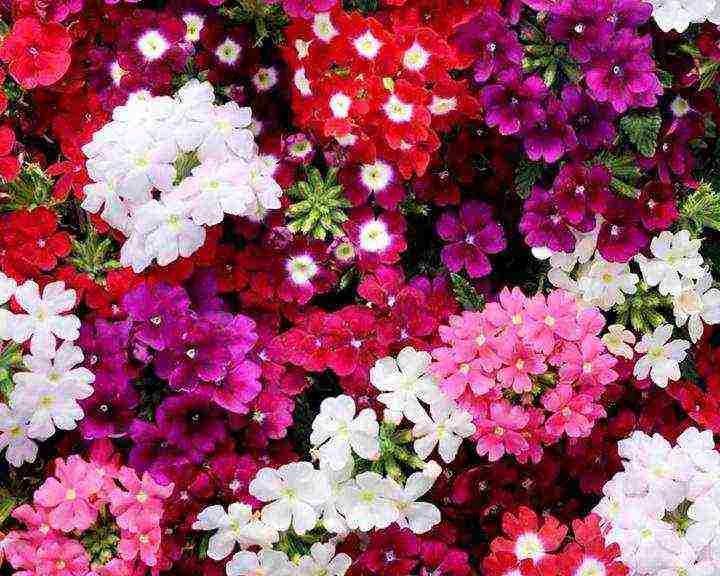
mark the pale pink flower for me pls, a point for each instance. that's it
(508, 313)
(145, 542)
(521, 361)
(547, 318)
(499, 433)
(71, 494)
(587, 365)
(142, 500)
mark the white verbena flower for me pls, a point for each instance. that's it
(405, 381)
(661, 356)
(48, 392)
(236, 526)
(675, 257)
(369, 502)
(332, 520)
(445, 427)
(338, 433)
(14, 437)
(263, 563)
(697, 303)
(292, 492)
(619, 341)
(420, 517)
(323, 561)
(161, 230)
(605, 283)
(44, 316)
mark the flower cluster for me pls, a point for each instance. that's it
(201, 158)
(90, 518)
(530, 370)
(359, 288)
(662, 509)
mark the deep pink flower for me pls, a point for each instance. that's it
(573, 414)
(471, 236)
(499, 432)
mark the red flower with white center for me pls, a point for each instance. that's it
(370, 47)
(527, 539)
(379, 178)
(37, 53)
(306, 272)
(450, 103)
(425, 56)
(377, 239)
(589, 554)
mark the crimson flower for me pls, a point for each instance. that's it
(37, 53)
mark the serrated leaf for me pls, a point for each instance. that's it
(701, 209)
(465, 293)
(526, 176)
(642, 130)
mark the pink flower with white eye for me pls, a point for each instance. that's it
(521, 362)
(508, 312)
(141, 500)
(457, 371)
(144, 542)
(548, 319)
(500, 431)
(71, 494)
(573, 414)
(587, 365)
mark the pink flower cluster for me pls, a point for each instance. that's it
(530, 370)
(91, 518)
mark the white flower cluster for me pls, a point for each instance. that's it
(679, 14)
(404, 382)
(663, 509)
(133, 162)
(675, 268)
(300, 497)
(44, 396)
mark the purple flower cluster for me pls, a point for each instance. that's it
(210, 367)
(615, 62)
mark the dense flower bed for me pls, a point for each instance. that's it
(360, 288)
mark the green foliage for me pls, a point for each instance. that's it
(642, 130)
(184, 165)
(10, 359)
(266, 18)
(364, 6)
(624, 171)
(701, 209)
(31, 188)
(93, 253)
(527, 175)
(465, 293)
(543, 56)
(643, 311)
(318, 211)
(102, 538)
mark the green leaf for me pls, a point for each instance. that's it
(465, 293)
(642, 130)
(701, 209)
(526, 176)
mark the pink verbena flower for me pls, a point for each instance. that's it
(512, 364)
(71, 494)
(141, 499)
(500, 431)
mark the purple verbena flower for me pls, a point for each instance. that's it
(471, 235)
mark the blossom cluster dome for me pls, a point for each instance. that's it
(530, 370)
(165, 168)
